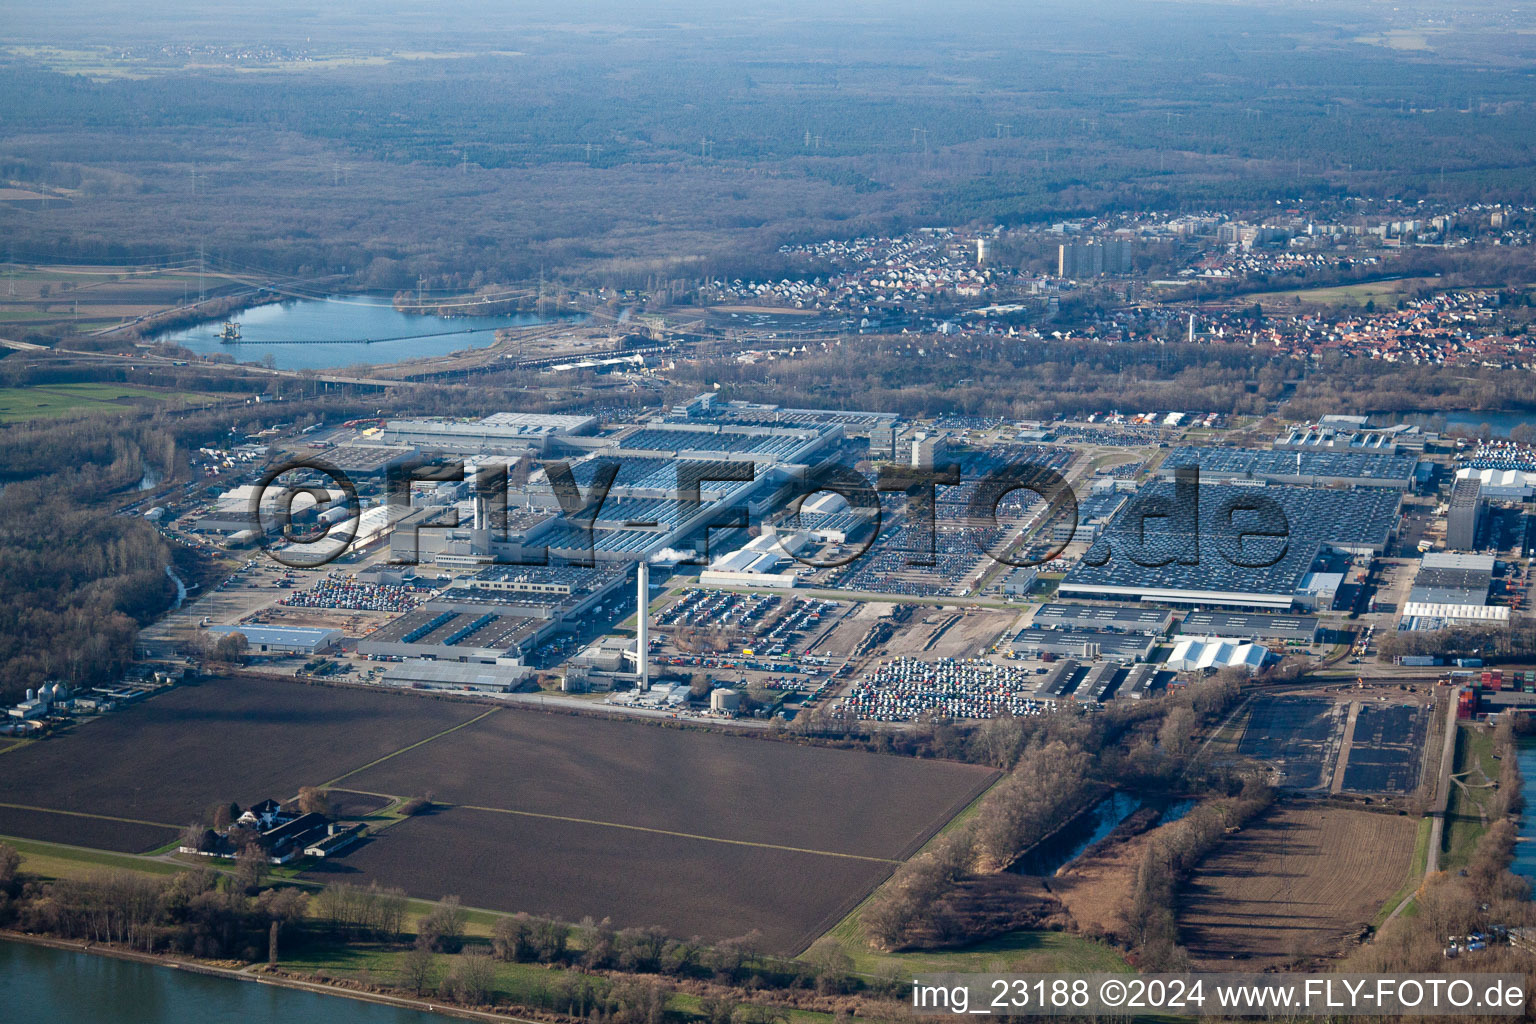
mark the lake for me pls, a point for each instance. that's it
(55, 986)
(333, 327)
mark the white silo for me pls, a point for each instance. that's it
(643, 625)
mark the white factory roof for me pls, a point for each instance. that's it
(1457, 612)
(1314, 583)
(505, 425)
(827, 501)
(238, 499)
(762, 554)
(537, 421)
(1198, 653)
(1496, 481)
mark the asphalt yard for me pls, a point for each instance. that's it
(1300, 736)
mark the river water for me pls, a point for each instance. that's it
(332, 327)
(1525, 848)
(1501, 423)
(181, 588)
(1096, 823)
(39, 985)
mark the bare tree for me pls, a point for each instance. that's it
(418, 969)
(195, 836)
(831, 963)
(251, 866)
(313, 800)
(229, 648)
(717, 1009)
(443, 928)
(512, 938)
(471, 980)
(10, 862)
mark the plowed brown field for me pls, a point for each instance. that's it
(1300, 882)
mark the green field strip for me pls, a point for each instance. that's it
(1416, 865)
(98, 817)
(35, 849)
(680, 835)
(406, 750)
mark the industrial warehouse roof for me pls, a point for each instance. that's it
(1454, 612)
(737, 441)
(1197, 568)
(652, 472)
(365, 459)
(1116, 646)
(454, 674)
(1453, 579)
(1101, 616)
(501, 425)
(538, 421)
(1366, 468)
(1235, 626)
(544, 578)
(447, 627)
(1494, 481)
(281, 636)
(1459, 560)
(1197, 654)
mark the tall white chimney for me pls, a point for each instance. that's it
(643, 625)
(480, 531)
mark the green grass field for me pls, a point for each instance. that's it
(54, 860)
(40, 402)
(1415, 873)
(1384, 293)
(1016, 952)
(1464, 817)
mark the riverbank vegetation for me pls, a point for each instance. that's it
(1476, 891)
(962, 888)
(368, 938)
(377, 939)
